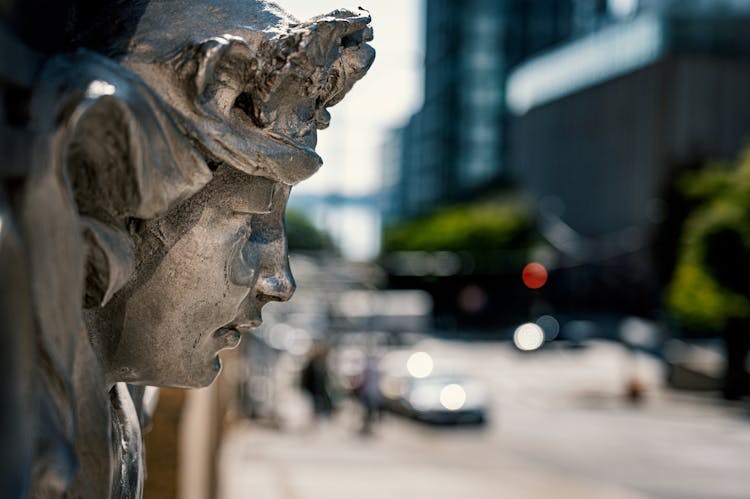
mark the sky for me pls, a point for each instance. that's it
(384, 99)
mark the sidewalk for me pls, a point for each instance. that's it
(330, 460)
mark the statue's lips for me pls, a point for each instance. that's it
(246, 327)
(229, 337)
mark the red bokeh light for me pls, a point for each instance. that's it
(534, 275)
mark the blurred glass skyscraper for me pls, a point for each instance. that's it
(455, 144)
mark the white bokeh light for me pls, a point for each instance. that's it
(622, 8)
(420, 364)
(528, 337)
(453, 397)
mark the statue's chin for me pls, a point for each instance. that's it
(198, 376)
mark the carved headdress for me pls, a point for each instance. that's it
(248, 84)
(253, 93)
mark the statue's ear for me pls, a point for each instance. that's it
(124, 159)
(125, 155)
(109, 263)
(102, 161)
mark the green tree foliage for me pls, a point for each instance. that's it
(711, 282)
(302, 235)
(481, 226)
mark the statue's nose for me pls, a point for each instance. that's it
(276, 283)
(263, 263)
(263, 266)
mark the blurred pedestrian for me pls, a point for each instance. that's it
(315, 380)
(369, 393)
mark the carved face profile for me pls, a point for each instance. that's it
(185, 267)
(224, 257)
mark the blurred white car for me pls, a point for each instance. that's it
(419, 392)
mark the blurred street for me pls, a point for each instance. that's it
(560, 426)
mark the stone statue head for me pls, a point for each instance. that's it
(182, 164)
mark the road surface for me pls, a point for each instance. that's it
(559, 427)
